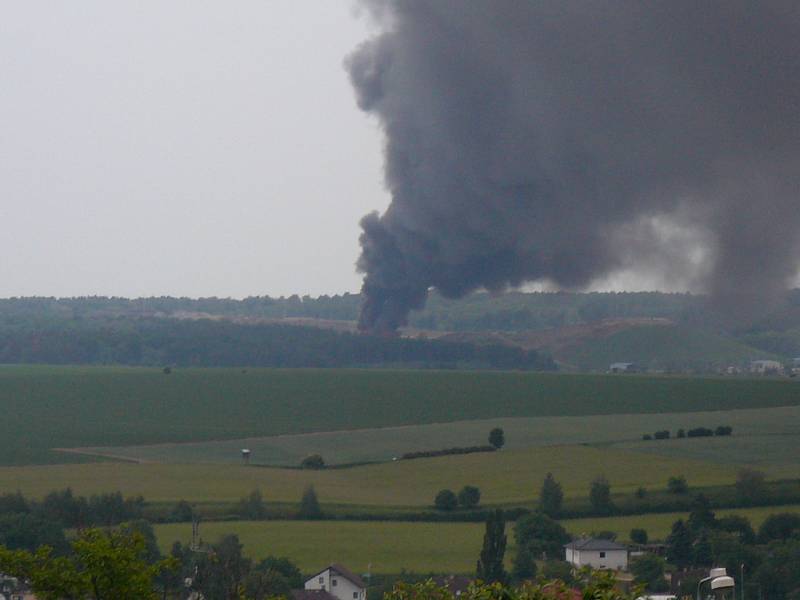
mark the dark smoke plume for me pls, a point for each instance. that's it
(556, 141)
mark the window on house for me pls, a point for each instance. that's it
(333, 582)
(322, 580)
(355, 595)
(602, 555)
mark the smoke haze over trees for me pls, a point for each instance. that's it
(564, 142)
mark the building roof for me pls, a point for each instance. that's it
(593, 544)
(312, 595)
(344, 572)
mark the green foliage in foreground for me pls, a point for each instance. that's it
(102, 566)
(594, 586)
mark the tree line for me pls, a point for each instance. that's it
(214, 343)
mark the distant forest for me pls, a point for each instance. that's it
(511, 311)
(151, 341)
(249, 332)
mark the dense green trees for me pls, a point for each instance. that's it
(252, 507)
(551, 496)
(541, 535)
(102, 566)
(677, 485)
(600, 496)
(204, 342)
(497, 438)
(445, 500)
(469, 496)
(490, 567)
(648, 570)
(309, 505)
(638, 536)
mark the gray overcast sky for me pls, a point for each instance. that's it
(183, 147)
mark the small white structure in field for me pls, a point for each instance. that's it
(598, 554)
(339, 582)
(623, 367)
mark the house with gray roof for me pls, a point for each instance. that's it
(598, 554)
(337, 581)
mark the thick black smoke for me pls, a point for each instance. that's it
(541, 141)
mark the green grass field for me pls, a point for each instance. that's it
(660, 346)
(47, 407)
(762, 437)
(392, 547)
(508, 476)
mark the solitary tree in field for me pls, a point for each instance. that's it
(679, 545)
(469, 496)
(446, 500)
(677, 485)
(600, 495)
(750, 485)
(497, 438)
(490, 564)
(309, 505)
(313, 461)
(638, 536)
(551, 496)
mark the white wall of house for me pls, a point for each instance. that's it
(598, 559)
(335, 584)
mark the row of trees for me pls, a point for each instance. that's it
(664, 434)
(468, 497)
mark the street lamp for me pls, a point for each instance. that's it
(721, 585)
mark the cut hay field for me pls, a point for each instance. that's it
(762, 437)
(508, 476)
(64, 407)
(392, 547)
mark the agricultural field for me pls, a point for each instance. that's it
(659, 347)
(392, 547)
(507, 476)
(762, 437)
(67, 407)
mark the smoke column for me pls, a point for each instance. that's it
(546, 141)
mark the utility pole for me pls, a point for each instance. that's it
(742, 580)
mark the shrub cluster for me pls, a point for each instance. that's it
(447, 451)
(468, 497)
(696, 432)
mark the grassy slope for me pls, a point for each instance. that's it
(506, 476)
(659, 347)
(391, 547)
(762, 437)
(46, 407)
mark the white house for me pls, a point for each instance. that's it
(339, 582)
(598, 554)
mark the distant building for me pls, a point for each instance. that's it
(598, 554)
(623, 367)
(336, 581)
(762, 367)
